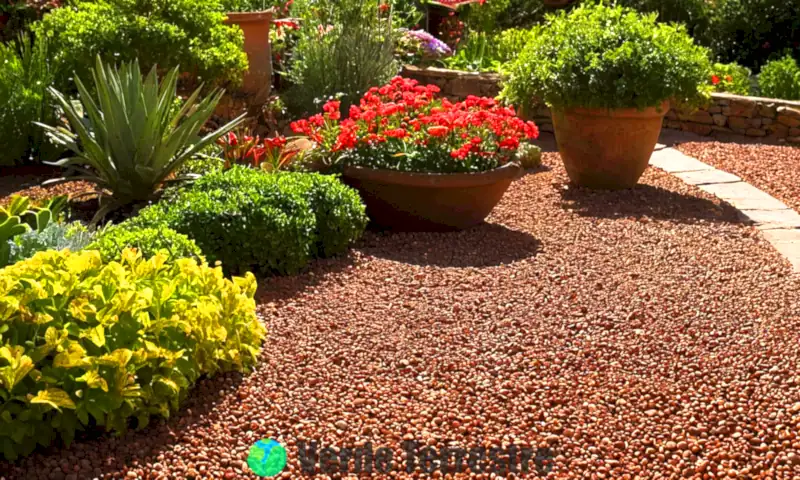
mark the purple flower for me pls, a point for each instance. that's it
(432, 45)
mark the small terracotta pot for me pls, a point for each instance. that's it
(428, 201)
(255, 25)
(607, 149)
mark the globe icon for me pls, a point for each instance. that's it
(266, 458)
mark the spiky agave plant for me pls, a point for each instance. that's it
(132, 139)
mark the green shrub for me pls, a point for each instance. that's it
(609, 57)
(337, 209)
(134, 138)
(730, 78)
(55, 236)
(270, 223)
(113, 241)
(780, 79)
(189, 33)
(751, 32)
(88, 344)
(344, 48)
(25, 75)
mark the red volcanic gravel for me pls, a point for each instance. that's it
(637, 334)
(772, 168)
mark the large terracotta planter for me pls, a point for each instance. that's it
(255, 25)
(604, 148)
(429, 202)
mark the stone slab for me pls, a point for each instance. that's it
(744, 196)
(704, 177)
(790, 250)
(782, 236)
(772, 219)
(673, 161)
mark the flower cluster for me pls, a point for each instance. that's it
(270, 155)
(418, 47)
(405, 126)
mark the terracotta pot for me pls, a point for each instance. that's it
(604, 148)
(428, 201)
(255, 25)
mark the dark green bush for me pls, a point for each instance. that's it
(751, 32)
(780, 79)
(271, 223)
(112, 241)
(189, 33)
(609, 57)
(692, 13)
(25, 75)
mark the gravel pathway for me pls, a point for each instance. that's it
(636, 334)
(772, 168)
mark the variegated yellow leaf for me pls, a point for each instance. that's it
(55, 397)
(94, 380)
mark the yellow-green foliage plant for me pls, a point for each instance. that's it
(85, 343)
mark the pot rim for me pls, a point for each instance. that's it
(434, 180)
(658, 111)
(247, 17)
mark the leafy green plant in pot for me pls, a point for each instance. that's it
(133, 138)
(609, 75)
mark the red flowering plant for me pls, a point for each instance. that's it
(404, 126)
(272, 155)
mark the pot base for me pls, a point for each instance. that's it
(417, 202)
(607, 149)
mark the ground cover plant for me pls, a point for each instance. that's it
(267, 223)
(600, 56)
(405, 126)
(104, 345)
(21, 217)
(134, 138)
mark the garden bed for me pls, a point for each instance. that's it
(643, 332)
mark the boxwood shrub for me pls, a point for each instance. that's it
(185, 33)
(112, 241)
(269, 223)
(780, 79)
(85, 343)
(601, 56)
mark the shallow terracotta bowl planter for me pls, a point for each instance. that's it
(255, 26)
(429, 202)
(607, 149)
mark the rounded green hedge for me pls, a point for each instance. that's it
(186, 33)
(601, 56)
(269, 223)
(148, 241)
(780, 79)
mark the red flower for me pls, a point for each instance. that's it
(714, 79)
(438, 131)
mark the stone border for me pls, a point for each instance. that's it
(779, 224)
(736, 115)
